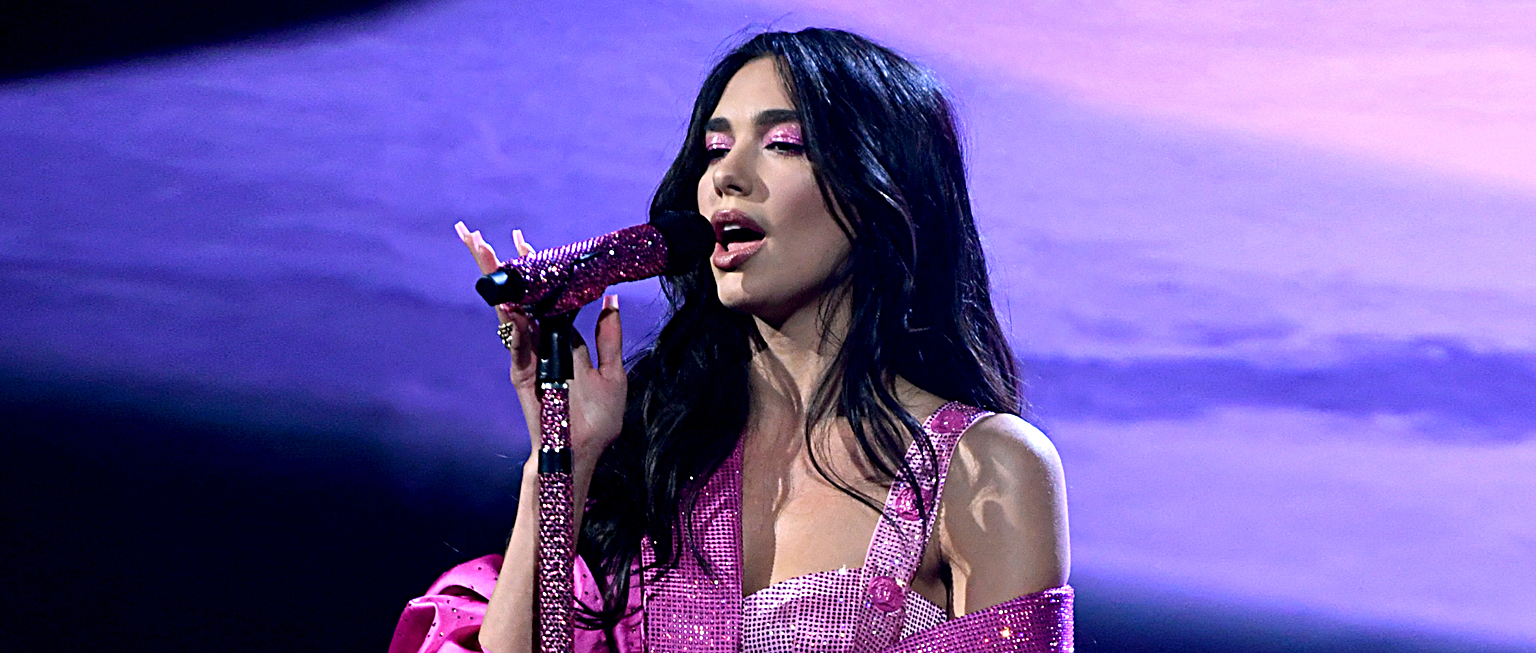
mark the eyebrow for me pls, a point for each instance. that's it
(767, 118)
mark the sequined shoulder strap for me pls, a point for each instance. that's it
(896, 549)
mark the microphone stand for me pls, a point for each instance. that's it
(554, 599)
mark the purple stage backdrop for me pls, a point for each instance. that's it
(1271, 267)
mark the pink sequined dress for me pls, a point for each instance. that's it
(867, 609)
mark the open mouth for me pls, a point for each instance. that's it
(731, 236)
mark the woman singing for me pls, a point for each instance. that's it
(821, 449)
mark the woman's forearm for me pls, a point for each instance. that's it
(509, 619)
(511, 622)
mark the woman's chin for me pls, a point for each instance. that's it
(736, 300)
(774, 315)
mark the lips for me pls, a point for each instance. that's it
(737, 238)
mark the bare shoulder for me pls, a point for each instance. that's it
(1003, 519)
(1005, 465)
(1006, 444)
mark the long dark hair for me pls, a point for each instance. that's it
(881, 138)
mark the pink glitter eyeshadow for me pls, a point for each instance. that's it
(718, 141)
(786, 133)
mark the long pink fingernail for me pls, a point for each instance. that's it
(610, 302)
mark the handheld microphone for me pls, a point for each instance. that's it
(556, 281)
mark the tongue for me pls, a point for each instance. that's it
(741, 244)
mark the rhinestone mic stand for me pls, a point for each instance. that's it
(556, 536)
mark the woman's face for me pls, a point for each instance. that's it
(777, 242)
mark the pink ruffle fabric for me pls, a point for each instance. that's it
(447, 618)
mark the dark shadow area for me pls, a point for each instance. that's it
(42, 37)
(133, 529)
(150, 529)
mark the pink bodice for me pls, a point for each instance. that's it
(867, 609)
(870, 607)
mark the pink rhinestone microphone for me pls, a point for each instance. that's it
(553, 284)
(560, 280)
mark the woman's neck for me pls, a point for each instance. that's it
(798, 355)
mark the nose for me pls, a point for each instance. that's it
(730, 175)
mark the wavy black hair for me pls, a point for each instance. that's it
(881, 138)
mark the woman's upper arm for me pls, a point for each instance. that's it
(1003, 523)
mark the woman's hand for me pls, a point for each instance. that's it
(597, 393)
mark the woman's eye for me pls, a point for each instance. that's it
(787, 147)
(716, 146)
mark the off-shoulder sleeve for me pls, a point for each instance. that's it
(1033, 623)
(447, 618)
